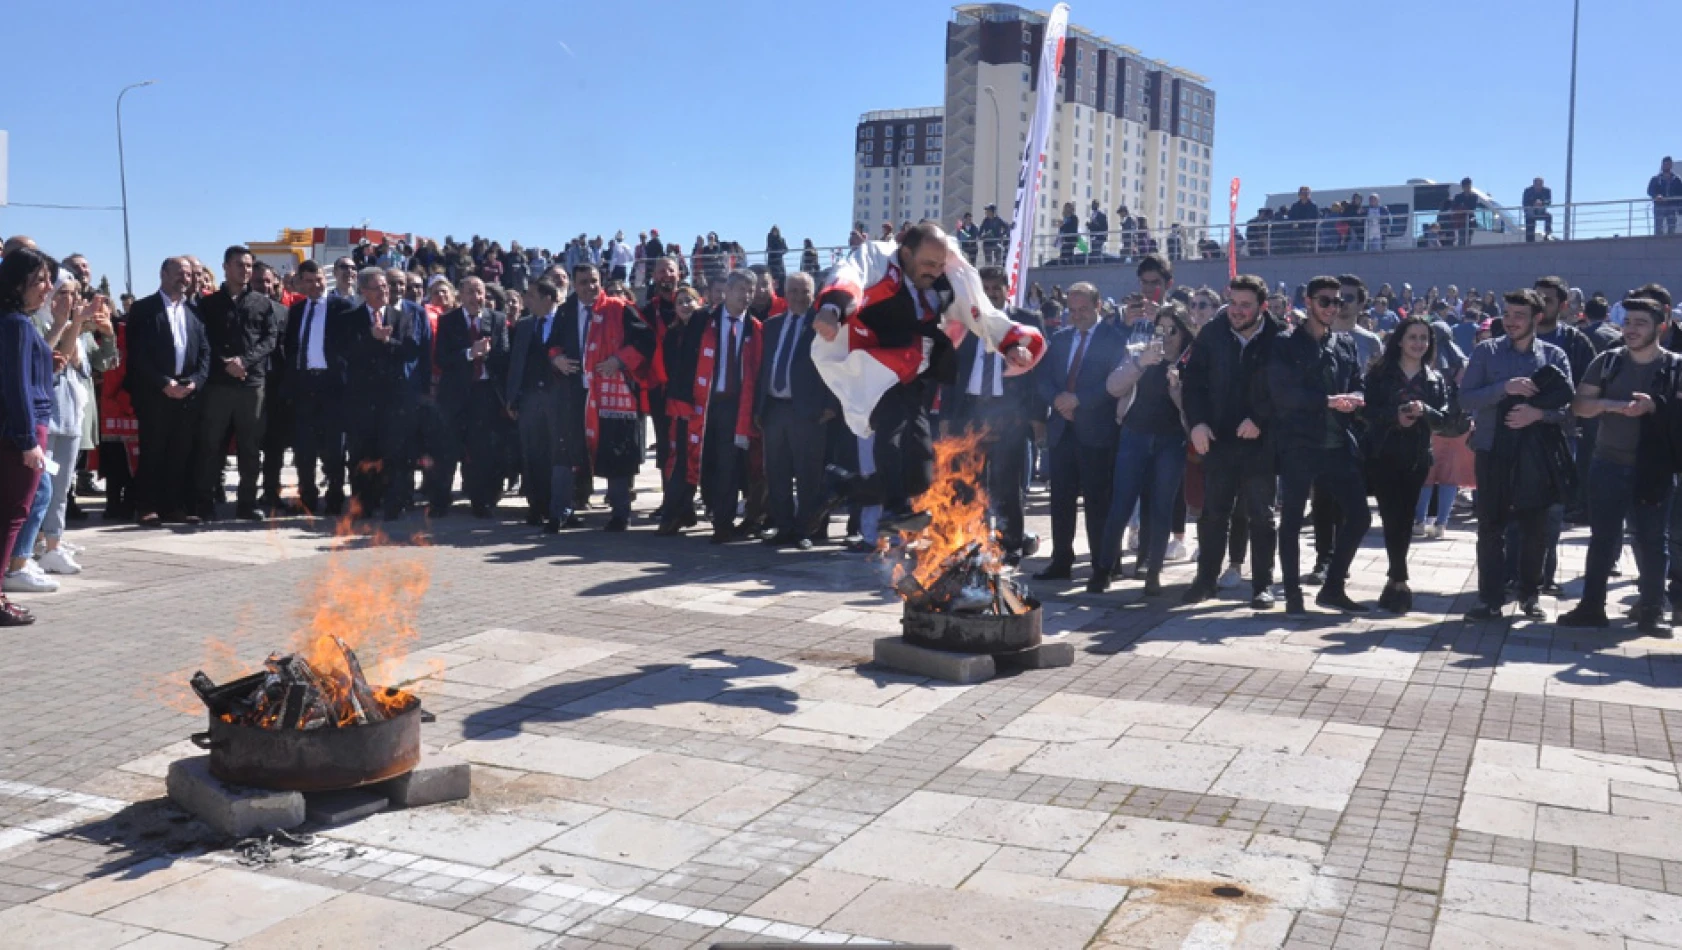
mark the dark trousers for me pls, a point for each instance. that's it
(239, 408)
(1230, 476)
(481, 435)
(543, 468)
(380, 437)
(722, 463)
(1147, 473)
(279, 428)
(662, 435)
(1530, 219)
(169, 432)
(1337, 473)
(1397, 494)
(119, 480)
(1324, 516)
(1079, 474)
(794, 452)
(318, 436)
(1007, 479)
(1612, 505)
(904, 446)
(1493, 521)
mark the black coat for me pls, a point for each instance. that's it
(455, 368)
(1301, 373)
(333, 344)
(1390, 444)
(1021, 396)
(151, 349)
(1222, 381)
(807, 391)
(376, 370)
(1533, 465)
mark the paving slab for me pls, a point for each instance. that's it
(450, 833)
(362, 921)
(222, 904)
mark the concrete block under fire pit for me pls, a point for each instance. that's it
(961, 668)
(438, 778)
(337, 808)
(1044, 656)
(233, 810)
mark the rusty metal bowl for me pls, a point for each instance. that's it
(314, 760)
(967, 633)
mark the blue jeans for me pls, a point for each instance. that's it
(1148, 469)
(1445, 503)
(37, 514)
(1612, 505)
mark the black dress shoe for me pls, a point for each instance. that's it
(907, 521)
(616, 524)
(667, 529)
(1294, 605)
(533, 518)
(1153, 584)
(725, 536)
(1531, 609)
(1653, 622)
(1482, 613)
(1583, 616)
(552, 526)
(1197, 593)
(1334, 597)
(1315, 577)
(804, 544)
(1263, 600)
(1099, 582)
(1056, 572)
(248, 514)
(778, 540)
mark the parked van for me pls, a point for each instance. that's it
(1415, 206)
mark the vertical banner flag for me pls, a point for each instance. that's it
(1232, 235)
(1033, 152)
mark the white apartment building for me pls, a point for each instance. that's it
(896, 167)
(1130, 131)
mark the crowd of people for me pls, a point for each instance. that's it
(1252, 411)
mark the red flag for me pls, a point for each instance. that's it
(1232, 236)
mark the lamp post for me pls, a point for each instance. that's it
(122, 177)
(998, 154)
(1571, 117)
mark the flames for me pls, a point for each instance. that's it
(957, 501)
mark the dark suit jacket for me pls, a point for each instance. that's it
(333, 344)
(455, 337)
(380, 370)
(151, 349)
(523, 340)
(806, 388)
(1021, 402)
(1094, 423)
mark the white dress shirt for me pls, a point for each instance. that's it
(176, 311)
(794, 324)
(315, 327)
(584, 317)
(729, 348)
(976, 374)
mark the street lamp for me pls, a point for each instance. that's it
(998, 153)
(122, 177)
(1571, 117)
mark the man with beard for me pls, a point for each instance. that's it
(601, 352)
(1221, 391)
(168, 363)
(278, 421)
(243, 326)
(895, 298)
(660, 313)
(313, 349)
(1633, 392)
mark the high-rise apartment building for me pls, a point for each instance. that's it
(896, 167)
(1130, 131)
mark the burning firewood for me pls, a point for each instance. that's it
(291, 693)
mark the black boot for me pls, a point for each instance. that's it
(1153, 583)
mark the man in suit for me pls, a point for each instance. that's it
(278, 423)
(533, 397)
(313, 350)
(242, 325)
(472, 357)
(791, 407)
(1082, 431)
(168, 363)
(384, 345)
(984, 399)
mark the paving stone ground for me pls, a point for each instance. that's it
(678, 744)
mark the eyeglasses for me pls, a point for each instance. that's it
(1202, 305)
(1348, 299)
(1326, 301)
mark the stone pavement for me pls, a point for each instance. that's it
(677, 744)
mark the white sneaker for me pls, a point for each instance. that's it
(1419, 529)
(1131, 544)
(1232, 578)
(59, 561)
(1176, 550)
(71, 546)
(28, 580)
(1433, 530)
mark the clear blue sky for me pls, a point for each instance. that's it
(535, 121)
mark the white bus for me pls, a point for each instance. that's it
(1415, 206)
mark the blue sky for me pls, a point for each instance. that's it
(536, 121)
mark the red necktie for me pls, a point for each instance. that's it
(1074, 364)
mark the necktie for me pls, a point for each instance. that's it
(304, 340)
(727, 351)
(1074, 364)
(791, 334)
(989, 367)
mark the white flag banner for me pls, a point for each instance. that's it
(1029, 179)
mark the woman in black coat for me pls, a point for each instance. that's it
(1406, 399)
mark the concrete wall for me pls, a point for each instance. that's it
(1609, 265)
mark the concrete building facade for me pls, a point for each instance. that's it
(897, 159)
(1130, 131)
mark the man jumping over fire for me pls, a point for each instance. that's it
(887, 324)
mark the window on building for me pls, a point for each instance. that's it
(1182, 163)
(869, 147)
(869, 160)
(1027, 58)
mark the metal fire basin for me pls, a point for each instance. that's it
(972, 633)
(314, 760)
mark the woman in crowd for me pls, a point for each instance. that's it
(1151, 455)
(1406, 399)
(809, 259)
(26, 400)
(75, 322)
